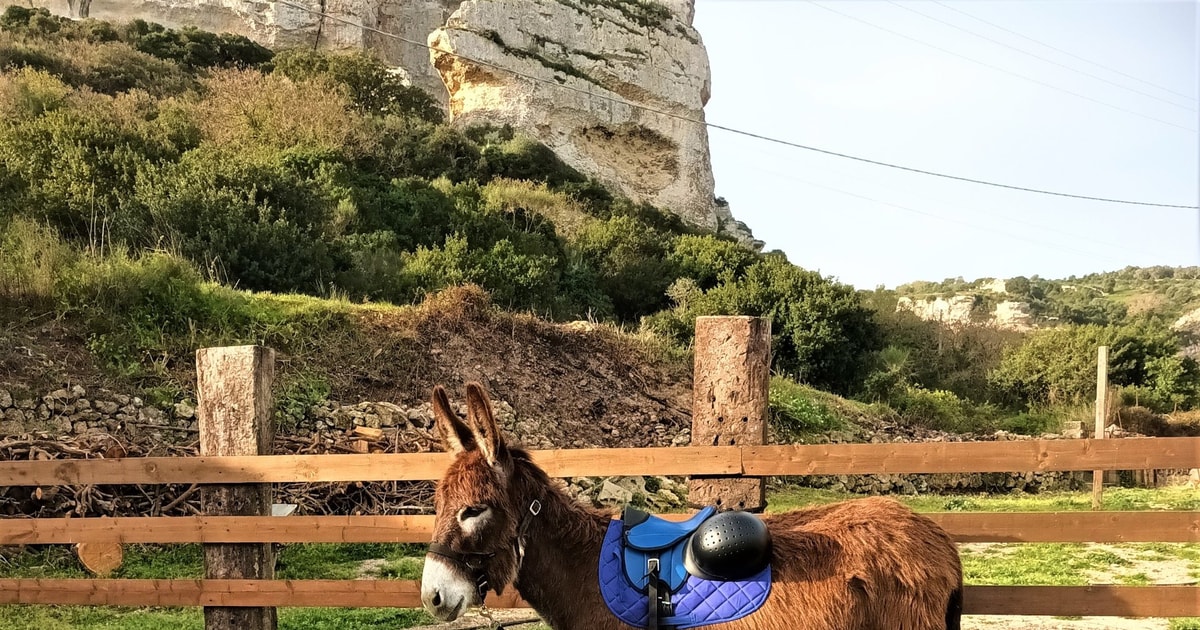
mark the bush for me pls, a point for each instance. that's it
(822, 333)
(252, 113)
(371, 86)
(257, 225)
(193, 48)
(630, 259)
(709, 260)
(795, 412)
(76, 165)
(1057, 365)
(940, 410)
(32, 257)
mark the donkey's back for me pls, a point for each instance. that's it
(865, 564)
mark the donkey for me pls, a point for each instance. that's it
(865, 564)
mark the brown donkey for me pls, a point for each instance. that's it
(868, 564)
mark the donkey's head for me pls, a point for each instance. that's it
(480, 511)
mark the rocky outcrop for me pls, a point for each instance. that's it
(570, 69)
(953, 310)
(278, 25)
(1190, 321)
(594, 58)
(961, 310)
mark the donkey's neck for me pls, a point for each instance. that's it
(559, 576)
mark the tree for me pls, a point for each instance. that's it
(823, 335)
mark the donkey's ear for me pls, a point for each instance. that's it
(456, 435)
(479, 414)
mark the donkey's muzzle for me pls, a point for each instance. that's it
(730, 546)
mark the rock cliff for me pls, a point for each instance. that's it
(589, 60)
(969, 309)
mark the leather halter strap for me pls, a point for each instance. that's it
(476, 563)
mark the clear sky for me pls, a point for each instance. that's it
(796, 70)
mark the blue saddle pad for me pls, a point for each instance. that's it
(698, 602)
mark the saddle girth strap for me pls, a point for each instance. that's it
(658, 596)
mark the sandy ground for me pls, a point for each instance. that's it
(1170, 571)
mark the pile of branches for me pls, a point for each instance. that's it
(348, 498)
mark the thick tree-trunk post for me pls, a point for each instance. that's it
(729, 402)
(233, 395)
(1101, 418)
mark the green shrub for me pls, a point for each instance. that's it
(822, 333)
(257, 225)
(631, 262)
(112, 68)
(299, 393)
(709, 260)
(940, 410)
(372, 87)
(193, 48)
(795, 412)
(526, 159)
(76, 165)
(32, 257)
(248, 112)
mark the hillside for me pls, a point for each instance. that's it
(169, 189)
(1099, 298)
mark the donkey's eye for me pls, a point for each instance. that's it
(472, 511)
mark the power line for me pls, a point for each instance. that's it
(1039, 57)
(1067, 53)
(710, 125)
(912, 210)
(996, 214)
(998, 68)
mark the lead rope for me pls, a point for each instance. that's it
(486, 613)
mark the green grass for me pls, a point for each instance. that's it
(1001, 564)
(305, 561)
(69, 617)
(1059, 564)
(798, 410)
(293, 562)
(1116, 499)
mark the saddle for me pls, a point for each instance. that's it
(711, 568)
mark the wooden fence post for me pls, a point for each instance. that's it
(1101, 417)
(729, 402)
(233, 395)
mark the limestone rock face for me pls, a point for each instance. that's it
(277, 25)
(961, 310)
(582, 62)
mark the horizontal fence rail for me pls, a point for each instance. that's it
(753, 461)
(1101, 527)
(1125, 601)
(748, 461)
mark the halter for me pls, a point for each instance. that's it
(476, 562)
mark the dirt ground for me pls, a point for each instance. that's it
(1163, 571)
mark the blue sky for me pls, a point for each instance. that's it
(796, 70)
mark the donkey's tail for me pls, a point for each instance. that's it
(954, 610)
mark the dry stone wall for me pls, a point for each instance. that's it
(74, 411)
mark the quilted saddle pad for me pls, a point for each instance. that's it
(698, 602)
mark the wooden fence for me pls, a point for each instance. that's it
(749, 461)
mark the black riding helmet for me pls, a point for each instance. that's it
(729, 546)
